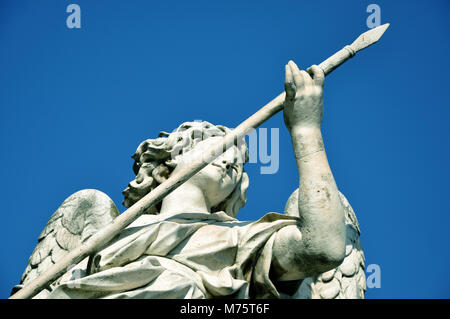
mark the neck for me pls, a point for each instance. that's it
(187, 198)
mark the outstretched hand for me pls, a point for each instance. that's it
(303, 106)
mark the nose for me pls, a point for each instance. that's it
(226, 164)
(222, 163)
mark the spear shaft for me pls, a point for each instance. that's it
(101, 238)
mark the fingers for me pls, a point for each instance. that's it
(289, 85)
(296, 80)
(317, 74)
(301, 78)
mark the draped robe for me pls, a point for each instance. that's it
(187, 255)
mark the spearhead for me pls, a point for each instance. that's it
(363, 41)
(369, 37)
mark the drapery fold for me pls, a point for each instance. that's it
(188, 255)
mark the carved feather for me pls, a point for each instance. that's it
(80, 215)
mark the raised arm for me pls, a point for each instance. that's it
(318, 243)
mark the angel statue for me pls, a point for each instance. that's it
(191, 245)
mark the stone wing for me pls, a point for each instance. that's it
(78, 218)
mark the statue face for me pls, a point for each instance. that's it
(218, 179)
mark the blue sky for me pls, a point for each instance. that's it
(76, 103)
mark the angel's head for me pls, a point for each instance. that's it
(223, 181)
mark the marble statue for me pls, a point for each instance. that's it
(192, 246)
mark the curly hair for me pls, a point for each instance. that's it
(155, 159)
